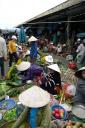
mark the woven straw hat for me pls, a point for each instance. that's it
(32, 38)
(55, 67)
(79, 111)
(23, 66)
(49, 59)
(35, 97)
(78, 73)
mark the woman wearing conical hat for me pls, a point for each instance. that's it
(37, 111)
(52, 82)
(28, 71)
(33, 51)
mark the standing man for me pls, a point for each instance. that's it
(12, 50)
(3, 54)
(80, 52)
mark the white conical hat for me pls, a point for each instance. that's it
(32, 38)
(35, 97)
(49, 59)
(78, 73)
(23, 66)
(78, 39)
(14, 37)
(79, 111)
(54, 67)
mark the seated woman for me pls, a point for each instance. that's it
(47, 60)
(37, 112)
(52, 82)
(28, 71)
(80, 90)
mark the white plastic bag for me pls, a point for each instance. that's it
(71, 90)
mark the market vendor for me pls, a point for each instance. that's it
(48, 60)
(33, 51)
(28, 71)
(37, 111)
(52, 82)
(80, 90)
(52, 48)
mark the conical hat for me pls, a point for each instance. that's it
(14, 37)
(35, 97)
(54, 67)
(78, 73)
(79, 111)
(23, 66)
(49, 59)
(32, 38)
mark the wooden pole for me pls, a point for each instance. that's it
(68, 33)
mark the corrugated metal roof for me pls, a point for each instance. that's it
(60, 7)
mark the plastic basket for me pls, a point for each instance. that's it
(60, 107)
(7, 104)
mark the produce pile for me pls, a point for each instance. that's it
(71, 124)
(58, 113)
(10, 115)
(3, 88)
(67, 75)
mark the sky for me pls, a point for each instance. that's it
(14, 12)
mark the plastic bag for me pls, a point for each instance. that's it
(71, 90)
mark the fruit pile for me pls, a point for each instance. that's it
(58, 113)
(70, 124)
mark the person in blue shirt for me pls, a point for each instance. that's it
(33, 50)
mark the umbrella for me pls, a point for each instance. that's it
(22, 35)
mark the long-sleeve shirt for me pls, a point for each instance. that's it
(80, 50)
(3, 48)
(12, 46)
(33, 71)
(80, 92)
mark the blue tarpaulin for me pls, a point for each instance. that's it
(22, 36)
(81, 35)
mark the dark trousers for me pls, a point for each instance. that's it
(2, 66)
(13, 57)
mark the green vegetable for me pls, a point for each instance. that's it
(10, 115)
(11, 70)
(3, 88)
(15, 83)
